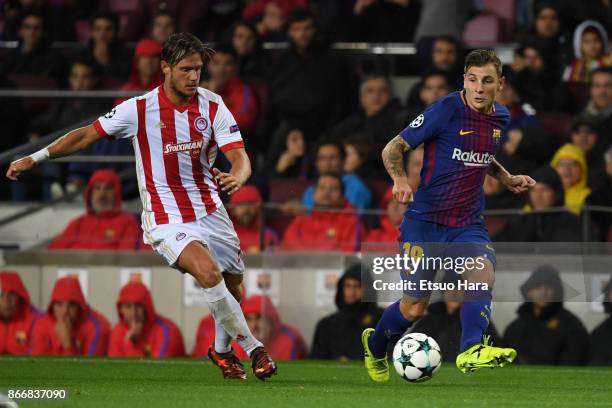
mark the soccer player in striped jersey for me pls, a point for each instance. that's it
(461, 133)
(176, 130)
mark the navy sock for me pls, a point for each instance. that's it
(391, 324)
(475, 315)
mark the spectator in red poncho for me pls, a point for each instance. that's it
(282, 341)
(141, 332)
(389, 221)
(245, 214)
(70, 327)
(146, 71)
(237, 95)
(17, 315)
(332, 225)
(104, 226)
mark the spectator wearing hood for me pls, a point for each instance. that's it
(600, 352)
(146, 71)
(538, 224)
(545, 332)
(443, 323)
(245, 208)
(17, 315)
(70, 327)
(377, 116)
(603, 197)
(237, 95)
(570, 163)
(390, 220)
(590, 50)
(282, 341)
(338, 336)
(141, 332)
(333, 224)
(104, 226)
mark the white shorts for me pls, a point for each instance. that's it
(215, 232)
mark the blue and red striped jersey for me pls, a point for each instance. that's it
(459, 143)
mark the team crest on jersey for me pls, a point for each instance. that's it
(496, 136)
(200, 123)
(418, 121)
(180, 236)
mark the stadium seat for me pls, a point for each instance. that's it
(556, 123)
(378, 188)
(482, 30)
(505, 10)
(285, 189)
(81, 27)
(495, 225)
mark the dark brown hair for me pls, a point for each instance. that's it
(181, 45)
(480, 58)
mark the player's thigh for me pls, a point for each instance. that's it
(196, 260)
(222, 241)
(419, 241)
(473, 251)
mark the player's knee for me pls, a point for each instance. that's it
(206, 273)
(412, 310)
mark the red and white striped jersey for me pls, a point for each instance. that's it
(175, 148)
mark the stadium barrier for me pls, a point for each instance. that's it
(302, 285)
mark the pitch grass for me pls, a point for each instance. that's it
(189, 383)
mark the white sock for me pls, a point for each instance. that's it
(222, 339)
(227, 313)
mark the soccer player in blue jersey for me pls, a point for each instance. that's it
(461, 134)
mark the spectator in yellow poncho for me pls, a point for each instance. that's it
(570, 163)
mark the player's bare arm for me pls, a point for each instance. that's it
(515, 183)
(72, 142)
(393, 159)
(238, 174)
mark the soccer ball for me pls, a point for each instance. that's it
(416, 357)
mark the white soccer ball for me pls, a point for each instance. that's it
(417, 357)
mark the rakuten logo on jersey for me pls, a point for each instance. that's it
(472, 158)
(183, 147)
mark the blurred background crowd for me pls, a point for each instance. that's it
(317, 88)
(308, 108)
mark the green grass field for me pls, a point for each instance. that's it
(188, 383)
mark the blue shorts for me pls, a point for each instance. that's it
(440, 241)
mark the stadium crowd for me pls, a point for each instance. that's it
(544, 332)
(314, 122)
(307, 111)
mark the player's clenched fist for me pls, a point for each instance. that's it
(228, 182)
(19, 166)
(402, 192)
(520, 183)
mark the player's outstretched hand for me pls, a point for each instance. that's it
(520, 183)
(402, 192)
(19, 166)
(228, 182)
